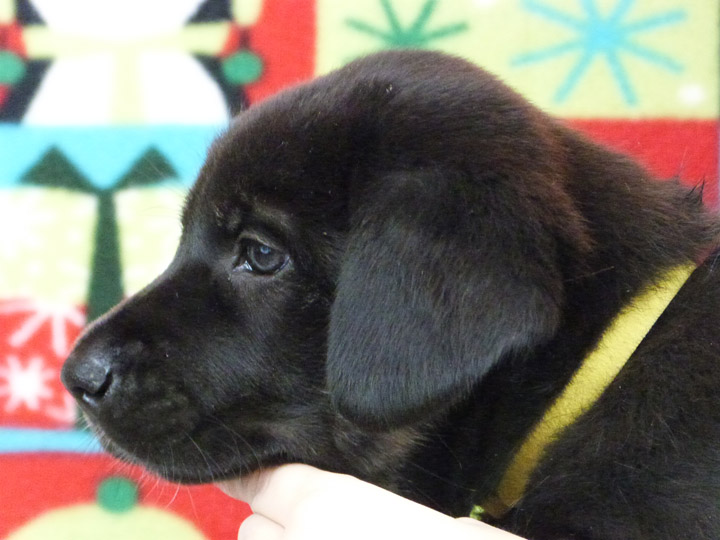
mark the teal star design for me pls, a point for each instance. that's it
(414, 35)
(605, 37)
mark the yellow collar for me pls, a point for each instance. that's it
(588, 383)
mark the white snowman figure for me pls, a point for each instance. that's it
(128, 62)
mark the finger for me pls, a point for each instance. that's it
(257, 527)
(470, 521)
(280, 492)
(245, 488)
(276, 493)
(490, 533)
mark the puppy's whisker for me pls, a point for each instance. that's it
(172, 499)
(206, 458)
(589, 274)
(235, 437)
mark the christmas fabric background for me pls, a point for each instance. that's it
(106, 111)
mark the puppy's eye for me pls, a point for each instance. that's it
(260, 258)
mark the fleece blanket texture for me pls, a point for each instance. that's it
(106, 112)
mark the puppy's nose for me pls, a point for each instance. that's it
(88, 378)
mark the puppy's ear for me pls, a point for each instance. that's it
(439, 281)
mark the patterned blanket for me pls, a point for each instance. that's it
(106, 111)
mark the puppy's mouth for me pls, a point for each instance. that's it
(189, 458)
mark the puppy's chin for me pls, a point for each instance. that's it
(189, 472)
(188, 465)
(217, 477)
(213, 451)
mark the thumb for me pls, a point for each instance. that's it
(247, 487)
(488, 531)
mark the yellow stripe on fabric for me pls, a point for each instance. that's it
(588, 383)
(202, 38)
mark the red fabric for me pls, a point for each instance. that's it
(232, 43)
(11, 38)
(284, 37)
(38, 338)
(36, 483)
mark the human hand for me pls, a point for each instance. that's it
(299, 502)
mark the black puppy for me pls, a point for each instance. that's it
(394, 271)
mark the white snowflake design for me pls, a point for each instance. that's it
(40, 313)
(25, 385)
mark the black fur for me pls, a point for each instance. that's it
(454, 254)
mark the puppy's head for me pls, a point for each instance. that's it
(356, 254)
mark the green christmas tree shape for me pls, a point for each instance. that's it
(56, 171)
(415, 35)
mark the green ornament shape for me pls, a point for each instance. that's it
(117, 494)
(12, 68)
(242, 67)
